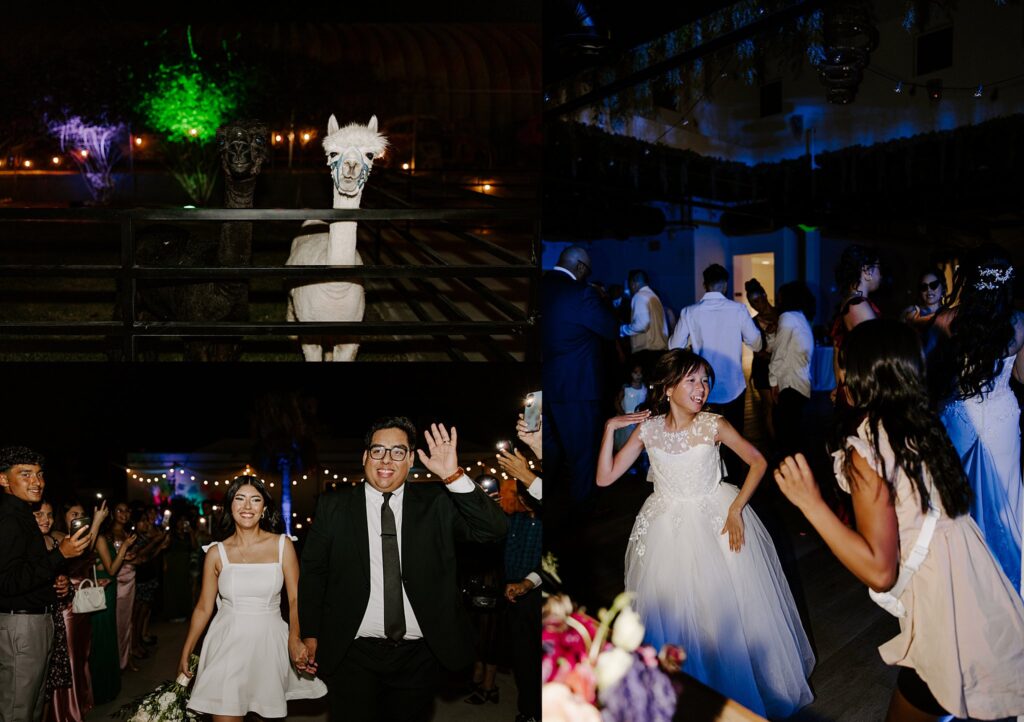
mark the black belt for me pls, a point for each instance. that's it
(385, 642)
(48, 609)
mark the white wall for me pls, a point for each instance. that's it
(676, 259)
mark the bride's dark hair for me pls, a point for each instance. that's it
(670, 370)
(885, 378)
(269, 521)
(982, 331)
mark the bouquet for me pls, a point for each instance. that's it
(590, 678)
(166, 703)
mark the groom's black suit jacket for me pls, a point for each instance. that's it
(334, 584)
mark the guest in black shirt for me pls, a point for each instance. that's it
(29, 585)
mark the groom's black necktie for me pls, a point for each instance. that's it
(394, 609)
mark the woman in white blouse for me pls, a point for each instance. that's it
(789, 370)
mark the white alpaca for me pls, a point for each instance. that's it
(350, 153)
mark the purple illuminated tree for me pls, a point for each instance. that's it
(95, 149)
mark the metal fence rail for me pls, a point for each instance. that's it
(128, 273)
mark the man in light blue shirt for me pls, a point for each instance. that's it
(716, 328)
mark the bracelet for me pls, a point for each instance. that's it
(459, 473)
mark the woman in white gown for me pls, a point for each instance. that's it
(702, 566)
(244, 664)
(983, 346)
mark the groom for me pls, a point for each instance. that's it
(379, 606)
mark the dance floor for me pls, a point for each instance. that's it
(163, 661)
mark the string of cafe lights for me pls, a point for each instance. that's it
(152, 477)
(935, 88)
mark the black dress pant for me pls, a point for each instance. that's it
(523, 626)
(380, 682)
(572, 438)
(788, 418)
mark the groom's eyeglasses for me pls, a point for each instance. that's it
(397, 453)
(929, 286)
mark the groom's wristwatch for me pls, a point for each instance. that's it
(459, 473)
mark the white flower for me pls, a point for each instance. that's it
(612, 667)
(167, 699)
(628, 630)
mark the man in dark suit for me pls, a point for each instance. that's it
(379, 605)
(576, 325)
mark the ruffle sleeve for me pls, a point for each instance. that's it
(862, 446)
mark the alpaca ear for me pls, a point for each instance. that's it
(372, 125)
(332, 125)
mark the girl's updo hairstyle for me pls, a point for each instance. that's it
(671, 368)
(854, 259)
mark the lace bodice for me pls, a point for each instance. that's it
(684, 464)
(992, 410)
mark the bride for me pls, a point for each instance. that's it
(983, 346)
(244, 665)
(701, 564)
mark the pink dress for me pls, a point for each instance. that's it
(125, 602)
(74, 702)
(964, 629)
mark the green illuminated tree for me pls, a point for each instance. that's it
(185, 102)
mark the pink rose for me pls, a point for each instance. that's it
(648, 655)
(582, 681)
(672, 658)
(558, 704)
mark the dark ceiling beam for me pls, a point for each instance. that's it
(768, 22)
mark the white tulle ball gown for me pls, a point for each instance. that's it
(732, 612)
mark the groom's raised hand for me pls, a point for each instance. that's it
(441, 456)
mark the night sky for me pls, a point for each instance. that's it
(84, 417)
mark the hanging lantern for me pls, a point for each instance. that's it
(849, 38)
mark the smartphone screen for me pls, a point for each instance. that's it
(531, 413)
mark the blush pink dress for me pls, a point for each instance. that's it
(964, 629)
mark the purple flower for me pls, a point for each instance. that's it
(644, 693)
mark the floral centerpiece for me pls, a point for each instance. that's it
(598, 670)
(166, 703)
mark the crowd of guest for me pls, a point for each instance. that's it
(503, 582)
(605, 359)
(141, 557)
(81, 584)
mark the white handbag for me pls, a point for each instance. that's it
(92, 598)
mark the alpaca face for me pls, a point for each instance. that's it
(350, 154)
(243, 148)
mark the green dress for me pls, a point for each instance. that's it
(104, 656)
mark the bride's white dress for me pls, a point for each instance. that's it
(986, 433)
(244, 665)
(732, 612)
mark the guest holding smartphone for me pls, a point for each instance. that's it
(28, 590)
